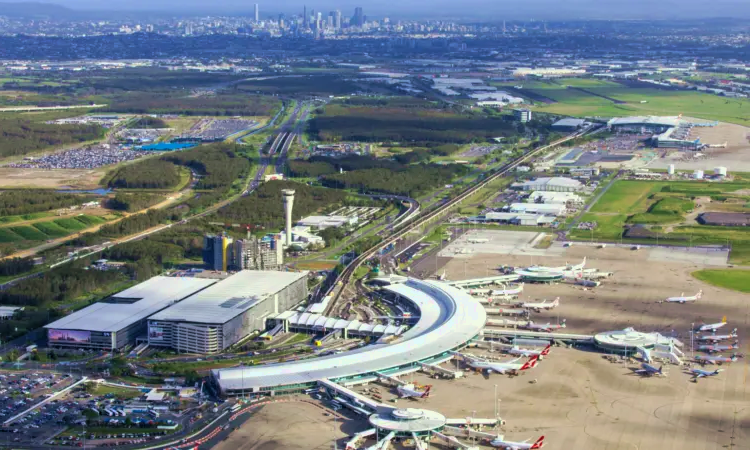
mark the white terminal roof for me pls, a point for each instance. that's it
(319, 322)
(449, 318)
(554, 181)
(229, 297)
(148, 297)
(645, 120)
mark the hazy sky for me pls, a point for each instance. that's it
(486, 9)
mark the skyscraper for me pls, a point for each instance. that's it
(337, 19)
(256, 14)
(305, 18)
(216, 251)
(359, 17)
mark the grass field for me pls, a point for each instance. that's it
(657, 101)
(628, 197)
(118, 392)
(51, 229)
(8, 236)
(71, 224)
(737, 280)
(90, 220)
(30, 233)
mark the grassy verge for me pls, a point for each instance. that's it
(737, 280)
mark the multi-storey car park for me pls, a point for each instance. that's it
(226, 312)
(117, 321)
(449, 319)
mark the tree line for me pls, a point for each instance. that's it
(218, 105)
(131, 202)
(218, 164)
(410, 181)
(15, 266)
(147, 174)
(18, 202)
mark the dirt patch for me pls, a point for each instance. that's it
(12, 178)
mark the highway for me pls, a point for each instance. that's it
(427, 216)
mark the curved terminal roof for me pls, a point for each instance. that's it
(410, 420)
(449, 318)
(629, 338)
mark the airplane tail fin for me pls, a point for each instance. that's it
(660, 370)
(539, 443)
(556, 302)
(546, 350)
(530, 363)
(426, 391)
(699, 294)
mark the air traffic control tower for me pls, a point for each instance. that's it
(288, 197)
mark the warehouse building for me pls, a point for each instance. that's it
(531, 220)
(568, 124)
(550, 209)
(553, 184)
(725, 219)
(555, 198)
(218, 317)
(117, 321)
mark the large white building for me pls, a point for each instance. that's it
(117, 321)
(550, 197)
(552, 209)
(219, 316)
(553, 184)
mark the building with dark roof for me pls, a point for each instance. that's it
(725, 219)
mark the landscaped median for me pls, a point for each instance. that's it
(735, 279)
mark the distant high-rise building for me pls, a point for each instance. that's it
(305, 18)
(522, 115)
(216, 251)
(256, 14)
(337, 20)
(359, 17)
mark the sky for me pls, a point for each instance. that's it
(485, 9)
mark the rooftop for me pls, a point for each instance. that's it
(645, 120)
(449, 317)
(229, 297)
(136, 303)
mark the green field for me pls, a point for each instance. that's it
(30, 233)
(609, 227)
(626, 197)
(8, 236)
(71, 224)
(51, 229)
(657, 101)
(737, 280)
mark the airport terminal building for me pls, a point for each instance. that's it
(117, 321)
(221, 315)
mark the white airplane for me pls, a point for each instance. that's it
(499, 367)
(716, 348)
(538, 307)
(528, 353)
(441, 277)
(507, 292)
(719, 360)
(510, 445)
(565, 268)
(548, 327)
(713, 326)
(718, 337)
(683, 299)
(411, 390)
(648, 370)
(700, 373)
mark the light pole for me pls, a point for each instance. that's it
(495, 402)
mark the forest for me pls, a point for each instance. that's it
(218, 165)
(131, 202)
(322, 85)
(411, 181)
(21, 136)
(421, 127)
(263, 207)
(62, 284)
(148, 122)
(159, 252)
(217, 105)
(147, 174)
(18, 202)
(14, 266)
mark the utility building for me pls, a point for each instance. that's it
(221, 315)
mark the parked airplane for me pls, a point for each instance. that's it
(548, 327)
(713, 326)
(648, 370)
(510, 445)
(499, 367)
(507, 292)
(715, 348)
(718, 360)
(683, 299)
(524, 352)
(565, 268)
(718, 337)
(411, 390)
(700, 373)
(538, 307)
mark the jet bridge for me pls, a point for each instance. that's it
(435, 369)
(357, 438)
(452, 441)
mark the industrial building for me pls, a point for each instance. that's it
(555, 198)
(725, 219)
(553, 184)
(323, 222)
(551, 209)
(219, 316)
(568, 124)
(117, 321)
(522, 115)
(675, 138)
(520, 219)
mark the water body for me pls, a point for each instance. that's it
(100, 191)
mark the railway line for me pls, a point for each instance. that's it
(421, 218)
